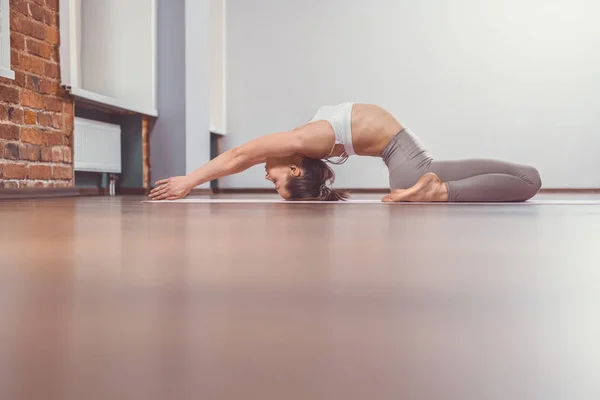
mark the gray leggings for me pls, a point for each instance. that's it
(479, 180)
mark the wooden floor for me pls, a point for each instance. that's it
(107, 298)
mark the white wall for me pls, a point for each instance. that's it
(511, 79)
(117, 50)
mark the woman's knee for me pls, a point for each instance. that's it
(533, 179)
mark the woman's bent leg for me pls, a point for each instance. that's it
(413, 176)
(483, 180)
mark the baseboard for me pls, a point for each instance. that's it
(37, 193)
(92, 191)
(203, 192)
(131, 191)
(381, 190)
(575, 191)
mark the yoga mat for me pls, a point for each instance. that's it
(276, 201)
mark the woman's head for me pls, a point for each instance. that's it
(300, 178)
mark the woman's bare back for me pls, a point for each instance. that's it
(372, 129)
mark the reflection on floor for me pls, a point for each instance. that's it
(106, 298)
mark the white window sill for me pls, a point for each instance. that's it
(110, 101)
(7, 73)
(217, 131)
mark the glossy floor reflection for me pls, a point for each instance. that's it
(107, 298)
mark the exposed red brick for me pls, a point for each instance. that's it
(9, 184)
(44, 119)
(11, 151)
(32, 64)
(50, 18)
(67, 154)
(9, 94)
(32, 83)
(52, 35)
(68, 109)
(40, 49)
(62, 172)
(32, 184)
(20, 78)
(36, 116)
(14, 59)
(51, 70)
(53, 139)
(13, 171)
(4, 112)
(29, 27)
(9, 132)
(57, 122)
(20, 6)
(33, 136)
(32, 100)
(46, 154)
(68, 125)
(52, 104)
(63, 184)
(15, 115)
(49, 87)
(30, 117)
(57, 154)
(29, 152)
(37, 171)
(36, 12)
(17, 41)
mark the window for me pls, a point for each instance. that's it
(5, 70)
(108, 52)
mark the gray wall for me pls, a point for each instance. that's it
(180, 139)
(197, 31)
(167, 139)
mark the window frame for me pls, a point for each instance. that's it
(5, 47)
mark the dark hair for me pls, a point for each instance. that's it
(312, 184)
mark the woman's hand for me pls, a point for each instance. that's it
(172, 188)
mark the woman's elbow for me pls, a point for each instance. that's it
(237, 157)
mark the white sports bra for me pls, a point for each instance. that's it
(340, 118)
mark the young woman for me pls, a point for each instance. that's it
(294, 163)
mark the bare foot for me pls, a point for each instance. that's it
(429, 188)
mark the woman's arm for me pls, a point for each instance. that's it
(231, 162)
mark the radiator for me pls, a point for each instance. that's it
(97, 146)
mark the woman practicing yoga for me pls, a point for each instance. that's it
(294, 163)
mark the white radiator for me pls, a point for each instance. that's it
(97, 146)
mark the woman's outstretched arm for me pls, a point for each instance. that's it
(231, 162)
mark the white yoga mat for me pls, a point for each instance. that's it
(277, 201)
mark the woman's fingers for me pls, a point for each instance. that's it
(156, 194)
(156, 189)
(162, 196)
(162, 181)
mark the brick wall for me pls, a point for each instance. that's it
(36, 117)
